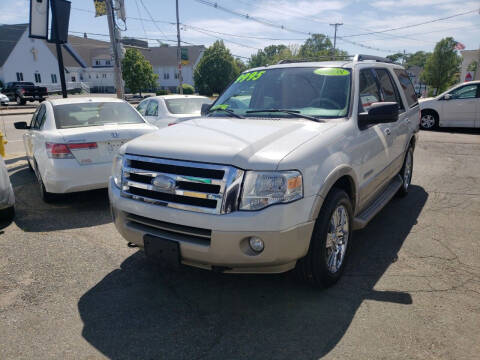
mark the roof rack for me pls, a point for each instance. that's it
(362, 57)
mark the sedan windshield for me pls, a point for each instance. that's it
(316, 92)
(186, 105)
(94, 114)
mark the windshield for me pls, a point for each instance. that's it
(319, 92)
(95, 114)
(186, 105)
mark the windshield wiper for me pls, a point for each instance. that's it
(228, 111)
(286, 111)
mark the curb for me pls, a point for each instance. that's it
(17, 113)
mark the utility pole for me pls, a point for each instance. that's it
(179, 54)
(61, 67)
(115, 41)
(335, 36)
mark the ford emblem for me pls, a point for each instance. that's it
(163, 182)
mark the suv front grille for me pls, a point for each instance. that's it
(183, 185)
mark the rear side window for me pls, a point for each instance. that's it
(369, 91)
(389, 89)
(407, 87)
(40, 119)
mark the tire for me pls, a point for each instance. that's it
(44, 194)
(406, 172)
(19, 100)
(429, 120)
(315, 267)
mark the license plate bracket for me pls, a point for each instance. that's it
(162, 251)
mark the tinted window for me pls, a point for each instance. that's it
(407, 87)
(34, 117)
(389, 90)
(142, 107)
(369, 91)
(465, 92)
(40, 119)
(95, 114)
(186, 105)
(152, 109)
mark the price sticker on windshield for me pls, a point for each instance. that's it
(332, 72)
(251, 76)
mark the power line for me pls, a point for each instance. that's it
(141, 21)
(415, 25)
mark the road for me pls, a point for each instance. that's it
(71, 288)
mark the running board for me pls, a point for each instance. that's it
(362, 219)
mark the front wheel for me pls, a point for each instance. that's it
(406, 172)
(429, 120)
(326, 258)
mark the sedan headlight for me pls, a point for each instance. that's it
(264, 188)
(117, 170)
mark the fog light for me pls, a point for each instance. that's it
(256, 244)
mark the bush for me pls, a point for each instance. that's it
(187, 89)
(162, 92)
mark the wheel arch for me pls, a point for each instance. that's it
(343, 177)
(430, 111)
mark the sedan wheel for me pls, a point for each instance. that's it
(337, 239)
(428, 121)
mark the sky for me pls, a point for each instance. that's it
(281, 22)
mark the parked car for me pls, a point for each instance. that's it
(456, 107)
(3, 99)
(290, 160)
(22, 91)
(166, 110)
(7, 198)
(70, 143)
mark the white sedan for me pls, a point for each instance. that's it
(167, 110)
(3, 99)
(456, 107)
(70, 143)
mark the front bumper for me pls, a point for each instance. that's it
(285, 230)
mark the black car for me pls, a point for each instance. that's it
(21, 92)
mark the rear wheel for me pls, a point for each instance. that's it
(429, 120)
(326, 258)
(19, 100)
(44, 194)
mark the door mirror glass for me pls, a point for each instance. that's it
(378, 113)
(21, 125)
(447, 97)
(205, 108)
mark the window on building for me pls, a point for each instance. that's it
(54, 78)
(38, 78)
(96, 75)
(74, 78)
(166, 76)
(176, 75)
(104, 76)
(97, 62)
(107, 62)
(19, 76)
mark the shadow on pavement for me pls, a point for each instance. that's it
(70, 211)
(142, 312)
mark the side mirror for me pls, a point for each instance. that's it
(378, 113)
(205, 108)
(447, 97)
(21, 125)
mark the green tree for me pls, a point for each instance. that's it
(319, 47)
(442, 67)
(137, 72)
(395, 57)
(216, 69)
(418, 58)
(240, 65)
(271, 54)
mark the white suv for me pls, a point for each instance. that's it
(288, 161)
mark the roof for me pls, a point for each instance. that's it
(167, 55)
(81, 100)
(10, 34)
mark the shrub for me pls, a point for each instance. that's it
(162, 92)
(187, 89)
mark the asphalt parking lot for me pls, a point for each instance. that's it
(70, 288)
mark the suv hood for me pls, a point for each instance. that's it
(257, 144)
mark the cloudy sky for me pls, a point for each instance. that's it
(283, 21)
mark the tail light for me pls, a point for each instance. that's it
(62, 151)
(22, 91)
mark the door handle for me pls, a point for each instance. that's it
(388, 131)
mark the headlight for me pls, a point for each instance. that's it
(264, 188)
(117, 170)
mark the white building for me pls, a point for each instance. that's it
(88, 62)
(469, 57)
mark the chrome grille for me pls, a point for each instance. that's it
(183, 185)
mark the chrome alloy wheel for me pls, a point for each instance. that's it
(337, 238)
(407, 171)
(427, 121)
